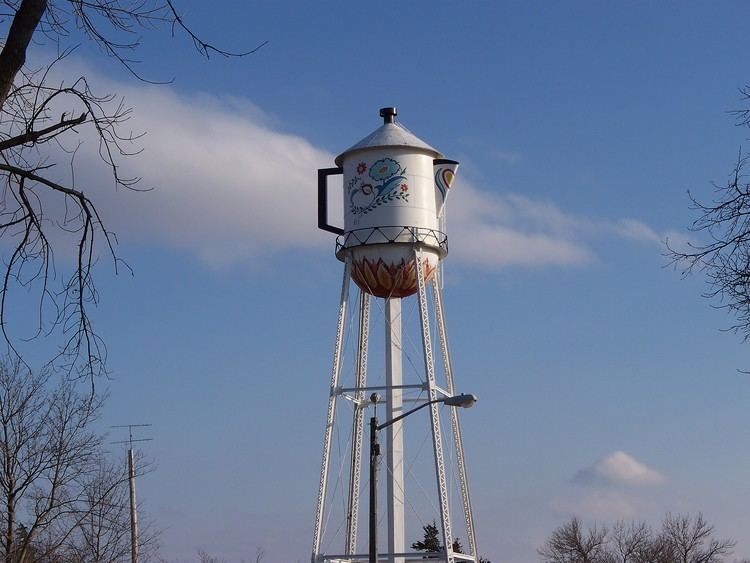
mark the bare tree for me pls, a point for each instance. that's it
(205, 557)
(42, 124)
(682, 539)
(690, 540)
(657, 550)
(59, 499)
(631, 543)
(570, 543)
(725, 221)
(100, 533)
(743, 114)
(725, 258)
(103, 534)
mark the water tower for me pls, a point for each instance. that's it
(392, 243)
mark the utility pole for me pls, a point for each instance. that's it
(374, 453)
(131, 484)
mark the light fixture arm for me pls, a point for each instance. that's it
(463, 400)
(387, 423)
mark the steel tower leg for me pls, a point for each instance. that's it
(437, 440)
(394, 433)
(355, 469)
(455, 423)
(328, 434)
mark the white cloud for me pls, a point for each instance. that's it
(493, 246)
(230, 186)
(631, 228)
(226, 185)
(618, 468)
(613, 489)
(599, 505)
(493, 231)
(507, 157)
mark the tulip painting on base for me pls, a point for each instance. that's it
(392, 279)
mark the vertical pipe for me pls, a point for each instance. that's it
(133, 510)
(394, 433)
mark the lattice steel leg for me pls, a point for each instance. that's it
(328, 434)
(355, 469)
(437, 440)
(455, 423)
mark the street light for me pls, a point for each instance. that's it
(464, 400)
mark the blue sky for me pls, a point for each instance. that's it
(608, 388)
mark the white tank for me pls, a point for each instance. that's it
(395, 186)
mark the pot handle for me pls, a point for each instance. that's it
(323, 174)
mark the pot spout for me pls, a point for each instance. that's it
(444, 171)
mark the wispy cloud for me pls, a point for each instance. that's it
(496, 246)
(613, 488)
(227, 185)
(497, 231)
(507, 157)
(637, 230)
(618, 468)
(230, 185)
(599, 505)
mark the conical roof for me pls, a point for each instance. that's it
(390, 134)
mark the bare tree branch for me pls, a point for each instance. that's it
(725, 258)
(13, 55)
(43, 126)
(725, 221)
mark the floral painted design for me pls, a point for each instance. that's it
(392, 279)
(384, 169)
(365, 196)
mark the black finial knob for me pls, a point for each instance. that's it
(388, 114)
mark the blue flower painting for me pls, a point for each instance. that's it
(384, 169)
(366, 196)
